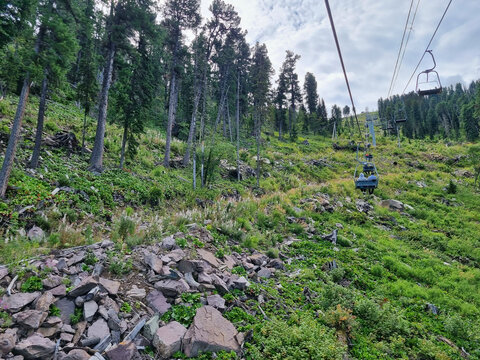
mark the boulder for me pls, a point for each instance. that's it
(77, 354)
(208, 257)
(169, 243)
(216, 301)
(35, 233)
(264, 273)
(89, 310)
(168, 339)
(210, 332)
(83, 287)
(67, 308)
(392, 205)
(17, 301)
(7, 341)
(172, 288)
(136, 292)
(176, 255)
(43, 302)
(98, 330)
(158, 302)
(52, 281)
(3, 272)
(110, 285)
(126, 350)
(60, 290)
(154, 262)
(151, 327)
(31, 319)
(35, 347)
(258, 259)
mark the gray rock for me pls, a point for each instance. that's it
(67, 308)
(210, 332)
(176, 255)
(31, 319)
(89, 310)
(35, 347)
(191, 281)
(219, 284)
(66, 338)
(124, 351)
(98, 330)
(276, 264)
(258, 259)
(151, 327)
(172, 288)
(35, 233)
(7, 341)
(208, 257)
(136, 292)
(363, 206)
(216, 301)
(169, 243)
(83, 287)
(393, 205)
(75, 259)
(114, 323)
(264, 273)
(77, 354)
(52, 281)
(60, 290)
(110, 285)
(44, 301)
(154, 262)
(241, 283)
(157, 301)
(17, 301)
(168, 339)
(97, 269)
(3, 272)
(205, 278)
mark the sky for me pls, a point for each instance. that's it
(370, 33)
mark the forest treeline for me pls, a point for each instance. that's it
(139, 64)
(453, 114)
(146, 63)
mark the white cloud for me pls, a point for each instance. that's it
(369, 32)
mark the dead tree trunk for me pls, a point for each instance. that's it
(193, 124)
(172, 111)
(257, 138)
(173, 102)
(237, 121)
(14, 136)
(124, 145)
(40, 121)
(96, 160)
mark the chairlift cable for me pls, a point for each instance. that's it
(400, 49)
(406, 44)
(428, 46)
(343, 65)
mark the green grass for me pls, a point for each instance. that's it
(391, 264)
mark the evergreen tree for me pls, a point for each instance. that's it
(311, 95)
(293, 87)
(87, 86)
(260, 74)
(179, 15)
(57, 52)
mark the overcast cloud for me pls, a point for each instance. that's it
(369, 32)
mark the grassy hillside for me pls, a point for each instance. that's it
(392, 266)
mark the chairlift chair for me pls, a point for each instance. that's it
(368, 178)
(431, 84)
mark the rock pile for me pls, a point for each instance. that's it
(79, 312)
